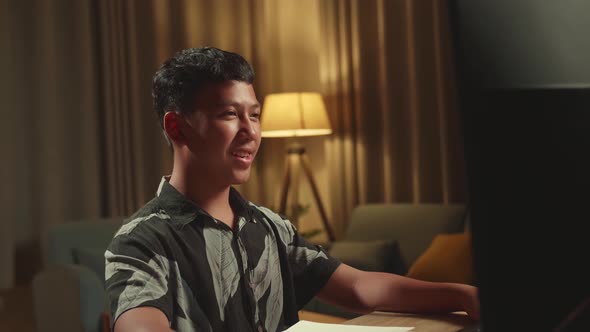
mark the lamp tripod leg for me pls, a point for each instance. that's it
(285, 187)
(316, 194)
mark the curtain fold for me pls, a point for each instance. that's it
(135, 37)
(52, 166)
(130, 153)
(387, 75)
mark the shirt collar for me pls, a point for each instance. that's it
(180, 208)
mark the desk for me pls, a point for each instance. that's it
(421, 323)
(320, 318)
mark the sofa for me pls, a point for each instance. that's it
(423, 241)
(69, 293)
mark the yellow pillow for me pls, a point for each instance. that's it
(447, 259)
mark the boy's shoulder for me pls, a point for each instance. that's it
(151, 215)
(143, 236)
(285, 228)
(267, 213)
(147, 209)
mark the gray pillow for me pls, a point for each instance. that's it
(376, 255)
(92, 258)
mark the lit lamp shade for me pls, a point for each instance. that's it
(294, 114)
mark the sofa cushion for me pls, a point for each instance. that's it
(447, 259)
(92, 258)
(376, 255)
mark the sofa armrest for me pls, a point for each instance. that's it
(68, 298)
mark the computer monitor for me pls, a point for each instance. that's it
(523, 73)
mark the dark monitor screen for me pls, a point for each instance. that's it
(523, 70)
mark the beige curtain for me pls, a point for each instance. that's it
(134, 154)
(8, 152)
(81, 138)
(388, 79)
(137, 35)
(51, 152)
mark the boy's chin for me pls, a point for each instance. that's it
(240, 178)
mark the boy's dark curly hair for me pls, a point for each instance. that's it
(179, 79)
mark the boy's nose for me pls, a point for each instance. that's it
(249, 127)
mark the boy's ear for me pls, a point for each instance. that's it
(173, 126)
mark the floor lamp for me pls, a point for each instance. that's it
(297, 114)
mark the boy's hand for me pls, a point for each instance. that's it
(470, 302)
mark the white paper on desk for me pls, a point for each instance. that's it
(307, 326)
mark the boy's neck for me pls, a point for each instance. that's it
(213, 199)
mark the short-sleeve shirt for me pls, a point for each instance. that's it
(205, 276)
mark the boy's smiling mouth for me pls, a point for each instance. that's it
(243, 156)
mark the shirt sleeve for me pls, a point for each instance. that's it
(311, 266)
(137, 274)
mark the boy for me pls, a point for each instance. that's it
(200, 257)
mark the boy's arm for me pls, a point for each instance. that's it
(137, 281)
(142, 319)
(363, 292)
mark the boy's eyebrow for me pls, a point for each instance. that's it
(230, 103)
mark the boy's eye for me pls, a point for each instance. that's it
(255, 115)
(229, 113)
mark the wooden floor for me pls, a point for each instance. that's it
(16, 310)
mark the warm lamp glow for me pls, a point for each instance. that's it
(294, 114)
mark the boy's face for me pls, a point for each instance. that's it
(225, 133)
